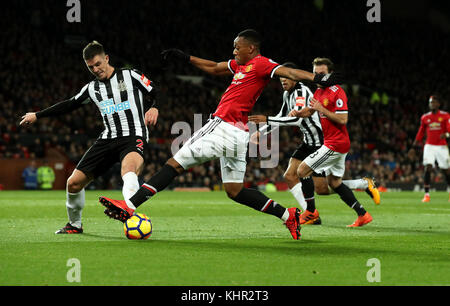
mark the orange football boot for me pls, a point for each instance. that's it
(362, 220)
(426, 198)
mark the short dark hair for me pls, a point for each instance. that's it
(92, 49)
(252, 36)
(318, 61)
(290, 65)
(435, 97)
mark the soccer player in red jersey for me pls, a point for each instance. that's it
(331, 104)
(226, 136)
(436, 125)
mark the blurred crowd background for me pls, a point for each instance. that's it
(391, 68)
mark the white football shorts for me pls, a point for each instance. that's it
(435, 153)
(328, 161)
(217, 139)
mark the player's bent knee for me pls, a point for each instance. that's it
(290, 177)
(233, 189)
(174, 164)
(73, 186)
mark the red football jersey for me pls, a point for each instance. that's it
(248, 82)
(434, 125)
(335, 135)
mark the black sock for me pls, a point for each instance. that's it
(257, 200)
(426, 181)
(308, 192)
(348, 197)
(157, 183)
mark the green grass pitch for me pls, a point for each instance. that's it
(205, 239)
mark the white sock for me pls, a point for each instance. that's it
(356, 184)
(75, 205)
(297, 192)
(352, 184)
(130, 186)
(285, 216)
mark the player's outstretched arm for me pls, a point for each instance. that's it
(325, 80)
(211, 67)
(207, 66)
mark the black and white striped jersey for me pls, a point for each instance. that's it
(120, 100)
(299, 98)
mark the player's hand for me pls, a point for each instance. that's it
(28, 118)
(316, 105)
(257, 119)
(151, 116)
(294, 113)
(254, 138)
(173, 53)
(329, 79)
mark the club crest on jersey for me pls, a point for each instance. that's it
(325, 102)
(122, 86)
(249, 68)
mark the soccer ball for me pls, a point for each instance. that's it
(139, 226)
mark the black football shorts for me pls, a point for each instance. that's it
(104, 153)
(303, 151)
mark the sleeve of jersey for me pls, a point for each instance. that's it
(421, 132)
(150, 89)
(341, 102)
(66, 106)
(232, 66)
(267, 68)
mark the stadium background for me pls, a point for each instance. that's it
(392, 67)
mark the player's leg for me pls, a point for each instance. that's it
(75, 200)
(299, 189)
(367, 184)
(334, 178)
(187, 157)
(258, 201)
(427, 182)
(443, 160)
(429, 159)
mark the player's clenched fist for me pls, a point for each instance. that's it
(28, 118)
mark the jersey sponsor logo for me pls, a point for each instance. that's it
(146, 81)
(107, 107)
(435, 126)
(238, 76)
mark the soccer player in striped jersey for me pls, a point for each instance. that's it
(123, 97)
(225, 136)
(297, 96)
(330, 102)
(436, 126)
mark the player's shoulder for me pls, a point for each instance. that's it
(428, 114)
(443, 112)
(263, 59)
